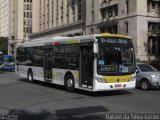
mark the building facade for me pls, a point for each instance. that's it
(0, 19)
(20, 22)
(58, 17)
(4, 18)
(139, 19)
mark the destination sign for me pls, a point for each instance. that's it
(107, 68)
(113, 40)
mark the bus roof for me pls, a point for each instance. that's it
(66, 40)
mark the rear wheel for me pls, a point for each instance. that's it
(145, 85)
(69, 83)
(30, 76)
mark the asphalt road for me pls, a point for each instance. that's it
(42, 101)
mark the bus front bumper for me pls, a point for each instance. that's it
(114, 86)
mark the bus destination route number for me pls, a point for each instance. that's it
(108, 68)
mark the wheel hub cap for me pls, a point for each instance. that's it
(69, 83)
(30, 77)
(144, 85)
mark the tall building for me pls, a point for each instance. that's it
(139, 19)
(20, 22)
(4, 18)
(0, 18)
(58, 17)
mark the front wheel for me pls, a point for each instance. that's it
(69, 83)
(145, 85)
(30, 76)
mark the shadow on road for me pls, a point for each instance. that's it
(88, 93)
(85, 113)
(43, 84)
(150, 90)
(112, 93)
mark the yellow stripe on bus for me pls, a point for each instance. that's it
(76, 74)
(113, 35)
(115, 79)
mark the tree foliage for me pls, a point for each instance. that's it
(4, 45)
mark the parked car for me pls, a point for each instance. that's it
(147, 76)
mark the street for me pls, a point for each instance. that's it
(43, 101)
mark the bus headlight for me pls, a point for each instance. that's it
(101, 80)
(133, 78)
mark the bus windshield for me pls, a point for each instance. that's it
(116, 59)
(8, 60)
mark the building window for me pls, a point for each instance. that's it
(24, 14)
(79, 17)
(110, 29)
(109, 11)
(24, 22)
(126, 27)
(153, 6)
(153, 45)
(24, 29)
(106, 1)
(91, 31)
(127, 6)
(79, 10)
(92, 16)
(73, 7)
(153, 27)
(30, 14)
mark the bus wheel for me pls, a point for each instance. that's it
(69, 83)
(30, 76)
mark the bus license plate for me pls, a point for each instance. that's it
(118, 85)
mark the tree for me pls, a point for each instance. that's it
(4, 45)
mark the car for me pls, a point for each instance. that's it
(147, 76)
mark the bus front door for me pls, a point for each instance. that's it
(48, 65)
(86, 67)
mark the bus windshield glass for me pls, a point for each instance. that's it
(9, 59)
(115, 56)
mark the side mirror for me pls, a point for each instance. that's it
(137, 71)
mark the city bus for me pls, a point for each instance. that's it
(97, 62)
(7, 63)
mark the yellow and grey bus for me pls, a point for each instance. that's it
(98, 62)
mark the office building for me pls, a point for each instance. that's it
(4, 18)
(20, 22)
